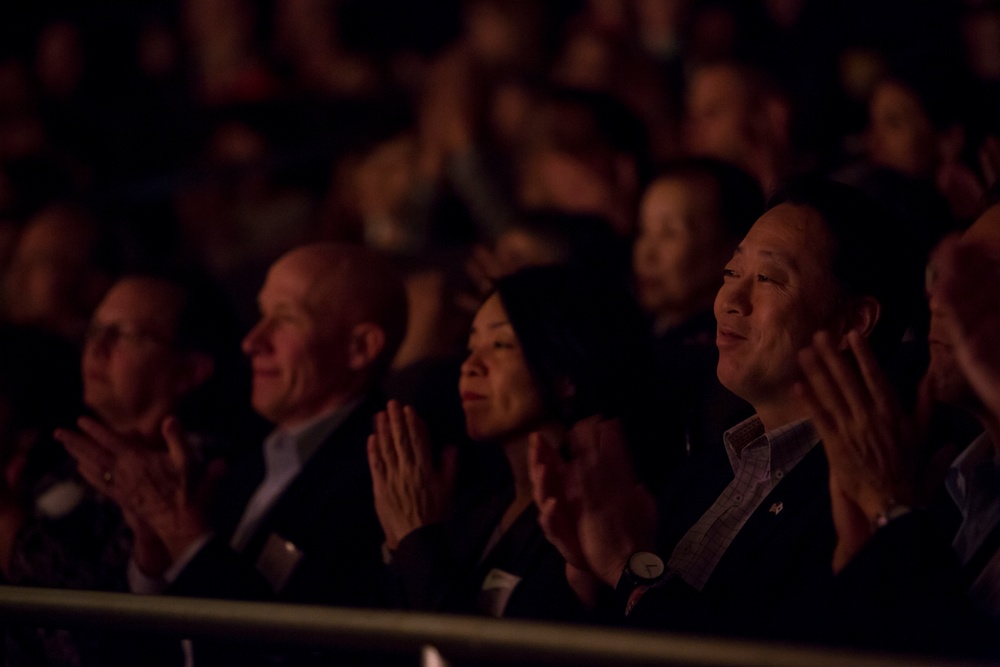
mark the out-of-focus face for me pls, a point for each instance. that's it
(777, 292)
(680, 250)
(298, 349)
(948, 382)
(900, 134)
(717, 122)
(132, 374)
(554, 179)
(499, 395)
(42, 282)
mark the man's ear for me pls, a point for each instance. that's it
(197, 368)
(862, 317)
(366, 344)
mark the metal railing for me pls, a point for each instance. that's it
(456, 637)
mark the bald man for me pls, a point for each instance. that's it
(294, 519)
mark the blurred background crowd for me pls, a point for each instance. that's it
(223, 132)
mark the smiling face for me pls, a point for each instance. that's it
(499, 395)
(680, 247)
(777, 291)
(299, 348)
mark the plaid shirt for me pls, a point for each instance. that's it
(760, 460)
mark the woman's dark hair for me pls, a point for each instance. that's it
(585, 343)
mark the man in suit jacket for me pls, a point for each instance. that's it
(295, 519)
(744, 535)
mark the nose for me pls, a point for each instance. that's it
(734, 297)
(472, 366)
(98, 340)
(256, 339)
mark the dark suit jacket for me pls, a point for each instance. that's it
(773, 568)
(327, 512)
(904, 591)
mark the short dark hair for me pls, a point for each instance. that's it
(873, 254)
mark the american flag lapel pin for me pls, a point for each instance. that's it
(776, 508)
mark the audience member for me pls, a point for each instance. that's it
(754, 530)
(919, 126)
(548, 348)
(148, 352)
(691, 218)
(61, 266)
(738, 114)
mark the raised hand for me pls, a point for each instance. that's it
(879, 456)
(591, 506)
(410, 492)
(158, 491)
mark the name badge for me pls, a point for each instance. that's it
(277, 561)
(496, 591)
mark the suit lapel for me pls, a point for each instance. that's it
(797, 506)
(338, 468)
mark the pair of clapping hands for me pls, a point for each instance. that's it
(880, 458)
(162, 492)
(591, 506)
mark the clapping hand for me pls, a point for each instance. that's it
(158, 490)
(879, 456)
(591, 506)
(410, 492)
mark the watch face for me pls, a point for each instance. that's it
(646, 565)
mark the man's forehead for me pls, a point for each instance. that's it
(789, 234)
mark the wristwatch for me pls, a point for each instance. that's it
(643, 570)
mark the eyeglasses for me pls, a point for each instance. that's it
(113, 334)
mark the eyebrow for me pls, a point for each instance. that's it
(781, 258)
(492, 325)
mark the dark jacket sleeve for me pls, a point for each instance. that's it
(903, 592)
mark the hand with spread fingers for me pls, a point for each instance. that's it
(410, 492)
(879, 456)
(591, 506)
(156, 489)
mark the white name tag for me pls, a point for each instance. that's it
(277, 561)
(496, 591)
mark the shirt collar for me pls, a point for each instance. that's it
(784, 446)
(979, 455)
(309, 435)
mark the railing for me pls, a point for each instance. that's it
(456, 637)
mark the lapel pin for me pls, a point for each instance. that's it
(776, 508)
